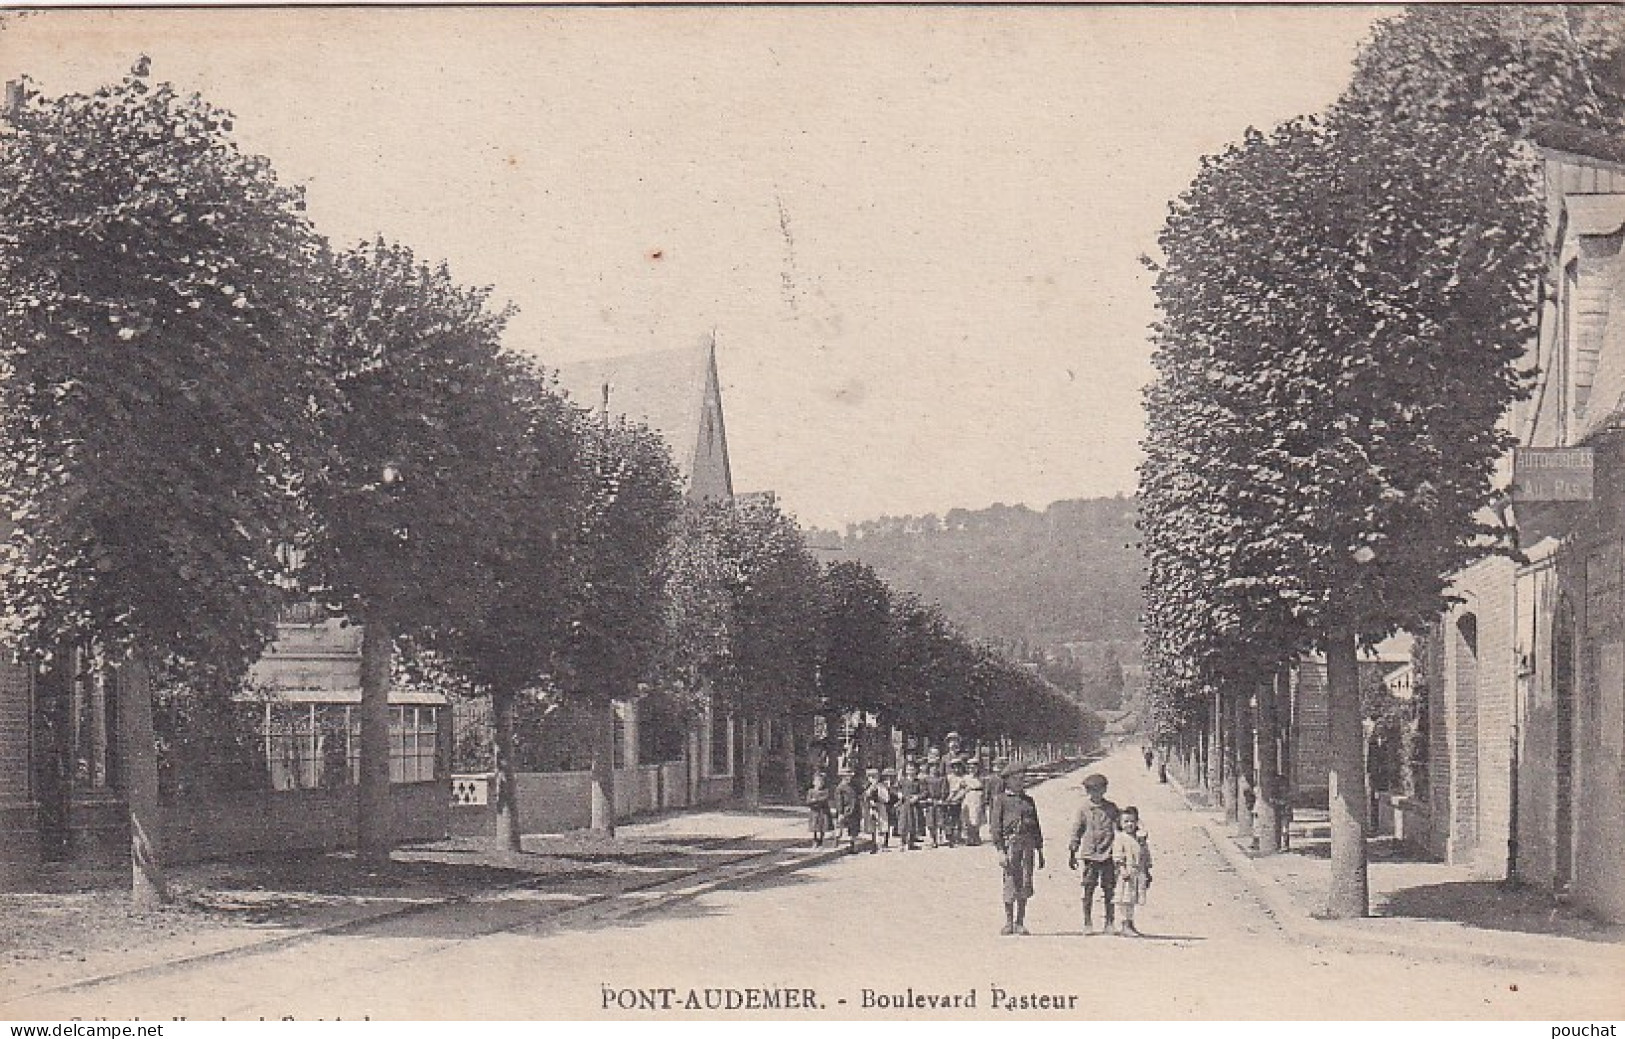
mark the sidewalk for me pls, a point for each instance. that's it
(1419, 908)
(77, 927)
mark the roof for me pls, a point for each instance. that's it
(663, 388)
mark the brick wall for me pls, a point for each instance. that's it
(1538, 599)
(1438, 835)
(1596, 574)
(1311, 735)
(15, 724)
(1477, 683)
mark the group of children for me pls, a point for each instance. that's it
(941, 800)
(949, 804)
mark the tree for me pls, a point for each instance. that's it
(1321, 280)
(1519, 66)
(154, 398)
(516, 635)
(777, 594)
(620, 548)
(754, 630)
(859, 654)
(423, 437)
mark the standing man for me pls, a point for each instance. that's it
(1013, 821)
(1092, 837)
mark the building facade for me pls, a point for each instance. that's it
(1526, 712)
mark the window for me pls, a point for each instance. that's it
(310, 745)
(95, 722)
(413, 735)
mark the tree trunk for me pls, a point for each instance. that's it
(1241, 738)
(1201, 749)
(139, 747)
(1267, 820)
(1348, 895)
(601, 721)
(751, 736)
(1286, 706)
(509, 833)
(1230, 772)
(792, 771)
(375, 837)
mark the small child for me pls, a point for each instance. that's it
(818, 804)
(1131, 851)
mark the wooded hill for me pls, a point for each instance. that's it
(1033, 582)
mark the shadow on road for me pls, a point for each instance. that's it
(1491, 906)
(1145, 936)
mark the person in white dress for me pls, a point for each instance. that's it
(1131, 851)
(971, 808)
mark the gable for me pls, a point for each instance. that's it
(677, 394)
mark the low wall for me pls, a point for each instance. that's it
(1406, 819)
(552, 802)
(716, 790)
(289, 820)
(555, 802)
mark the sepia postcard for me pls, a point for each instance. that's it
(809, 512)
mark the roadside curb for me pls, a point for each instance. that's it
(1302, 927)
(774, 862)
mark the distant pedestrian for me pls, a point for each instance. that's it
(848, 810)
(818, 805)
(936, 805)
(910, 812)
(974, 804)
(1131, 855)
(1150, 756)
(889, 799)
(876, 797)
(1016, 833)
(993, 785)
(1091, 843)
(955, 808)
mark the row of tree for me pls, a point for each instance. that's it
(207, 412)
(1343, 303)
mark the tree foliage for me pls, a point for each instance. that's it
(423, 438)
(620, 547)
(155, 376)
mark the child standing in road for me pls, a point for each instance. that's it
(848, 805)
(1019, 839)
(1092, 838)
(818, 805)
(1131, 852)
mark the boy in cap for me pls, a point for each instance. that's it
(1013, 821)
(848, 810)
(1092, 836)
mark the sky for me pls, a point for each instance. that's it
(916, 232)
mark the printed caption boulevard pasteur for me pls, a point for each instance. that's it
(680, 1000)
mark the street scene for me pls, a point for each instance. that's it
(858, 513)
(526, 952)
